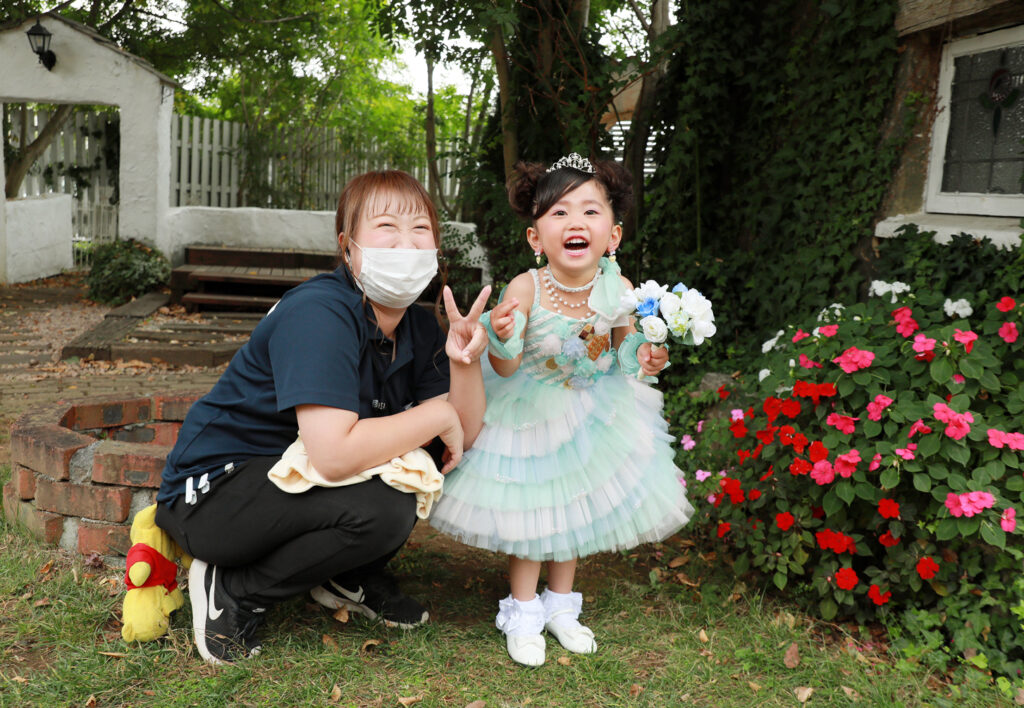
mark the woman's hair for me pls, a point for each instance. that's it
(532, 190)
(381, 191)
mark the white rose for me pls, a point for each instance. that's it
(701, 330)
(696, 304)
(654, 328)
(628, 301)
(650, 290)
(960, 308)
(878, 288)
(670, 304)
(763, 374)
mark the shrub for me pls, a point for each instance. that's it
(876, 470)
(122, 270)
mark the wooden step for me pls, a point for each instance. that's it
(245, 302)
(188, 277)
(260, 257)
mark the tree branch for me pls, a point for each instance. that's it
(102, 29)
(638, 11)
(275, 21)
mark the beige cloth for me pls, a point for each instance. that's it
(414, 472)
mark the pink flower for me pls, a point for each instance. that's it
(711, 498)
(701, 475)
(966, 338)
(843, 423)
(902, 314)
(958, 378)
(800, 334)
(923, 344)
(846, 464)
(829, 330)
(1009, 332)
(736, 414)
(1006, 304)
(807, 363)
(996, 438)
(907, 327)
(688, 442)
(700, 426)
(957, 424)
(822, 472)
(969, 504)
(953, 503)
(878, 405)
(854, 359)
(1015, 441)
(876, 462)
(1008, 520)
(918, 427)
(907, 453)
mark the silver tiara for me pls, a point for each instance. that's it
(574, 161)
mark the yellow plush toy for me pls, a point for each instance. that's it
(150, 574)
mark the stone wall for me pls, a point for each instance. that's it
(80, 472)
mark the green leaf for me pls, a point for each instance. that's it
(989, 381)
(995, 469)
(890, 478)
(928, 445)
(800, 555)
(960, 402)
(780, 579)
(970, 368)
(993, 534)
(828, 609)
(866, 491)
(981, 476)
(968, 526)
(832, 503)
(862, 378)
(938, 471)
(845, 386)
(742, 564)
(1015, 483)
(872, 428)
(922, 483)
(957, 452)
(941, 370)
(946, 529)
(844, 490)
(1010, 459)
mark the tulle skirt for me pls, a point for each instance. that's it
(559, 473)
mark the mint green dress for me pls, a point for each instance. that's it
(574, 456)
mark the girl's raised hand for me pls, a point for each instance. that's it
(652, 360)
(467, 339)
(503, 318)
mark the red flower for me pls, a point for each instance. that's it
(889, 509)
(817, 452)
(744, 455)
(927, 568)
(791, 408)
(754, 494)
(817, 512)
(784, 520)
(732, 487)
(722, 392)
(877, 596)
(846, 578)
(786, 435)
(769, 473)
(1006, 304)
(739, 428)
(800, 466)
(836, 541)
(772, 407)
(723, 528)
(888, 540)
(767, 435)
(799, 443)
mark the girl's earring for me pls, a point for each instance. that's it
(611, 255)
(537, 254)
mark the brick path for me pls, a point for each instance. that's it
(24, 357)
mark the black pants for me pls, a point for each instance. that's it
(269, 545)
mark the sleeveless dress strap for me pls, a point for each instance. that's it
(536, 286)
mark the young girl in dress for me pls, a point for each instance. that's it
(574, 456)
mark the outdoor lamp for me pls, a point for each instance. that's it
(39, 40)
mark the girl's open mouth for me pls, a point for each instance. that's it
(576, 244)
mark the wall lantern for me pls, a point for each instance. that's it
(39, 39)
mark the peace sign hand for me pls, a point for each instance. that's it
(467, 339)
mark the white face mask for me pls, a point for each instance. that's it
(395, 277)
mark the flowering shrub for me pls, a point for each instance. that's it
(878, 469)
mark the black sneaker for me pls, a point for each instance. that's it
(224, 630)
(377, 595)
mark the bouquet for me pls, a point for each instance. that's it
(683, 313)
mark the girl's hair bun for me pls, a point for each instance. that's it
(532, 190)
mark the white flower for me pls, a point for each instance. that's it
(701, 329)
(763, 374)
(628, 301)
(959, 308)
(670, 304)
(604, 363)
(678, 323)
(879, 288)
(792, 363)
(696, 305)
(602, 326)
(550, 345)
(770, 344)
(654, 328)
(650, 291)
(832, 311)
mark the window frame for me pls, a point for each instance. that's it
(937, 201)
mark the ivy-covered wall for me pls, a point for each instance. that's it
(773, 160)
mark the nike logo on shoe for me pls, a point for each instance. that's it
(213, 610)
(356, 596)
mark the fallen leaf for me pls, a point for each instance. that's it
(369, 644)
(706, 652)
(335, 694)
(341, 614)
(686, 543)
(1019, 698)
(564, 660)
(862, 659)
(850, 693)
(635, 690)
(41, 603)
(678, 561)
(410, 700)
(476, 704)
(90, 702)
(149, 692)
(792, 658)
(329, 641)
(20, 679)
(703, 636)
(803, 693)
(26, 596)
(46, 567)
(683, 580)
(755, 687)
(115, 654)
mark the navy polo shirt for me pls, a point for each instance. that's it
(318, 345)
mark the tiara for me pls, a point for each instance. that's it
(574, 161)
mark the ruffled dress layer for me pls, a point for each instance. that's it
(574, 457)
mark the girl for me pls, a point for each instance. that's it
(363, 376)
(574, 456)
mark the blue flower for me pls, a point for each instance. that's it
(647, 307)
(679, 288)
(574, 348)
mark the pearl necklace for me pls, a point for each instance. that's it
(550, 285)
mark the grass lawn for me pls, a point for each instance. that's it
(662, 644)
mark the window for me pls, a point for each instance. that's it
(977, 155)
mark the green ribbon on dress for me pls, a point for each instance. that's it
(606, 295)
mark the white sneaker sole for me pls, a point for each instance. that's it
(333, 602)
(197, 594)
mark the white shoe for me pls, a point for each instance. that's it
(561, 615)
(522, 623)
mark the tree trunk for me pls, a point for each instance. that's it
(433, 177)
(474, 140)
(21, 165)
(640, 125)
(509, 136)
